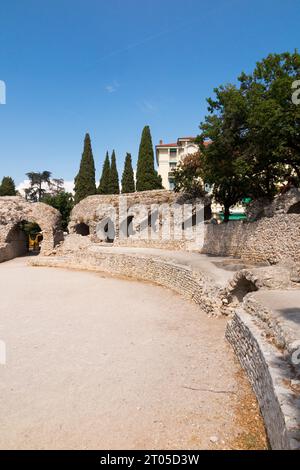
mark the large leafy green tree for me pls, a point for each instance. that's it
(222, 143)
(104, 185)
(273, 120)
(254, 129)
(114, 187)
(39, 182)
(7, 187)
(128, 184)
(64, 203)
(85, 180)
(146, 175)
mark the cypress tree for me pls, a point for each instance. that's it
(85, 180)
(146, 175)
(128, 184)
(104, 185)
(7, 187)
(114, 187)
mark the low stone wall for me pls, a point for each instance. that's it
(193, 285)
(269, 240)
(269, 373)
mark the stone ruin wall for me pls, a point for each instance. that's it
(270, 375)
(13, 211)
(273, 238)
(269, 240)
(96, 210)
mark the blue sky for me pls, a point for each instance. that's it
(111, 67)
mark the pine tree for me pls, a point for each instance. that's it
(146, 175)
(7, 187)
(85, 180)
(39, 182)
(104, 185)
(114, 187)
(128, 184)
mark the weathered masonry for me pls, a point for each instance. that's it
(13, 212)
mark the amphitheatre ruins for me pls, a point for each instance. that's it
(243, 273)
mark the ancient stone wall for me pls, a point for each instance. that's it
(274, 237)
(195, 285)
(148, 218)
(13, 211)
(268, 240)
(270, 376)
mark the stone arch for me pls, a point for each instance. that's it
(14, 210)
(243, 287)
(242, 284)
(82, 229)
(17, 241)
(294, 209)
(49, 220)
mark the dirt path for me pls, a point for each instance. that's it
(95, 362)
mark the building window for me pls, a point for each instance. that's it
(173, 152)
(171, 185)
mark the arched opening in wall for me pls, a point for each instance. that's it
(24, 238)
(153, 219)
(82, 229)
(294, 209)
(198, 217)
(242, 288)
(109, 231)
(126, 227)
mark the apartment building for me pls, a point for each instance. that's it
(169, 155)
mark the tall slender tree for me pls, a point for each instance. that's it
(128, 184)
(146, 175)
(85, 180)
(104, 185)
(7, 187)
(114, 187)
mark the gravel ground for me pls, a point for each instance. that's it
(99, 363)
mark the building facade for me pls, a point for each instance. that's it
(169, 155)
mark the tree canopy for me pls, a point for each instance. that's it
(250, 140)
(85, 180)
(146, 175)
(39, 183)
(64, 203)
(7, 187)
(114, 187)
(104, 185)
(128, 184)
